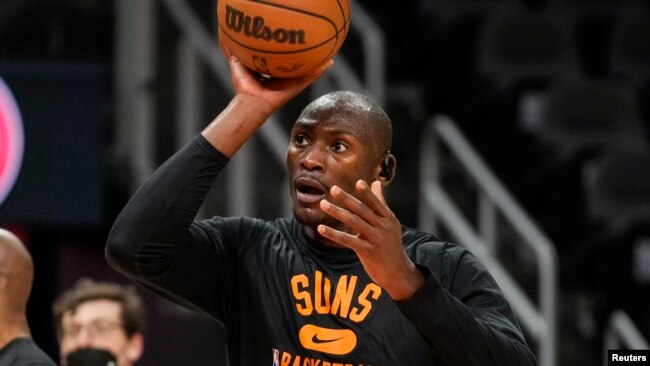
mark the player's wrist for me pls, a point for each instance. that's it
(408, 285)
(251, 108)
(235, 124)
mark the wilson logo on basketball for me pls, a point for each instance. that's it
(255, 27)
(283, 38)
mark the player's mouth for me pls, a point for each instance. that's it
(309, 190)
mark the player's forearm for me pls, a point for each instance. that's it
(464, 336)
(236, 124)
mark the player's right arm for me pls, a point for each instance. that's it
(153, 240)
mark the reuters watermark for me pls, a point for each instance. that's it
(628, 357)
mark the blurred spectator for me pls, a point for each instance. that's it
(99, 323)
(16, 277)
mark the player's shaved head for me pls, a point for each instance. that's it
(16, 274)
(362, 113)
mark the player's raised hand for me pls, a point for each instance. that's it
(254, 101)
(375, 236)
(271, 93)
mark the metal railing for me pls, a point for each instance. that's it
(437, 206)
(621, 332)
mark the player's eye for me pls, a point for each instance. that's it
(300, 140)
(339, 147)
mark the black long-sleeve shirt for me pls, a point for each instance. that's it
(286, 301)
(23, 351)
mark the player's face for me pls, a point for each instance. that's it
(98, 324)
(336, 150)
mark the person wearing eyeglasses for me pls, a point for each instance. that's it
(99, 323)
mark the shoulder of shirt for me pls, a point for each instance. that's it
(248, 222)
(416, 239)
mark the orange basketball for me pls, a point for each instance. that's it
(283, 38)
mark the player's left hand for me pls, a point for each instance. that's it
(378, 238)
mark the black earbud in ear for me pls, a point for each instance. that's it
(387, 167)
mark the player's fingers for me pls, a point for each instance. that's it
(301, 82)
(348, 240)
(373, 198)
(316, 74)
(377, 190)
(382, 219)
(350, 219)
(354, 205)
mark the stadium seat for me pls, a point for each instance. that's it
(617, 189)
(629, 48)
(518, 45)
(574, 117)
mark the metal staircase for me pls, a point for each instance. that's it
(494, 202)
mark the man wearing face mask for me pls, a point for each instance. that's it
(99, 323)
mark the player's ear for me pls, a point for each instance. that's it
(387, 168)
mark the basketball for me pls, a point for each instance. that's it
(283, 38)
